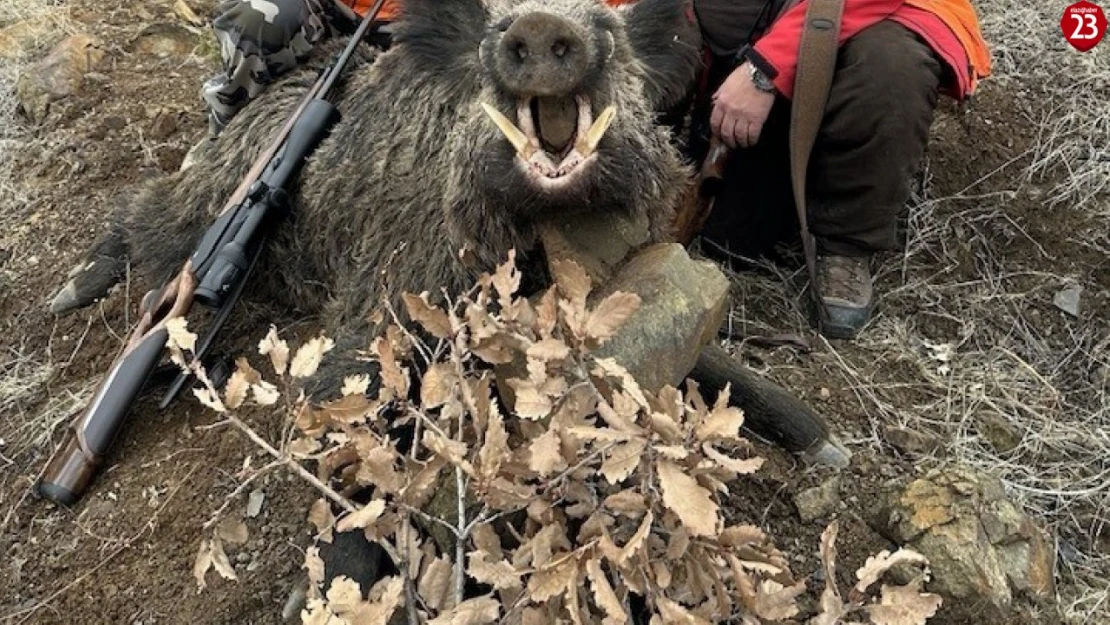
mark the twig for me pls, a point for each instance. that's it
(238, 491)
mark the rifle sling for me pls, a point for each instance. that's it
(812, 82)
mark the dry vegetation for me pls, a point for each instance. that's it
(590, 492)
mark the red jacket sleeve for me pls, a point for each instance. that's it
(776, 53)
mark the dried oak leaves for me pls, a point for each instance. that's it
(592, 489)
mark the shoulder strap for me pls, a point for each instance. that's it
(816, 64)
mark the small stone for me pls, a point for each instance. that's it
(114, 123)
(233, 532)
(98, 78)
(913, 442)
(1068, 299)
(1001, 434)
(242, 557)
(819, 501)
(164, 125)
(254, 503)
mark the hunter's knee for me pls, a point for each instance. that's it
(261, 27)
(890, 69)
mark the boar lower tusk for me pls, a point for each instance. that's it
(515, 135)
(597, 130)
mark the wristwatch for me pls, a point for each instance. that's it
(761, 81)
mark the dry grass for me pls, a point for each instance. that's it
(1032, 60)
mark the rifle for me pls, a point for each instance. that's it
(214, 275)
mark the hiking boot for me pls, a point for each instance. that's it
(845, 293)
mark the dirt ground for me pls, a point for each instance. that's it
(968, 350)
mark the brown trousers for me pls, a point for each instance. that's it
(870, 145)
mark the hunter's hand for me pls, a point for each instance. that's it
(740, 109)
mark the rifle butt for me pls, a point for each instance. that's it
(74, 464)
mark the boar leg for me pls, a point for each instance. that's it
(101, 268)
(770, 412)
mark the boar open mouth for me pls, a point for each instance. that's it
(553, 137)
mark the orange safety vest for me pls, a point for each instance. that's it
(392, 8)
(960, 18)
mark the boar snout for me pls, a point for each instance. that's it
(542, 54)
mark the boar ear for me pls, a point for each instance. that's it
(442, 34)
(667, 42)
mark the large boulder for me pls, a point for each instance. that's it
(682, 300)
(983, 551)
(59, 75)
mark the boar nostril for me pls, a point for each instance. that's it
(521, 50)
(559, 48)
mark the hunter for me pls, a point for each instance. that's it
(895, 58)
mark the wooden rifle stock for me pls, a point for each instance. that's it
(693, 214)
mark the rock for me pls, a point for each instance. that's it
(819, 501)
(19, 38)
(165, 40)
(1068, 299)
(232, 532)
(912, 442)
(164, 125)
(57, 76)
(683, 303)
(982, 550)
(599, 242)
(254, 503)
(1001, 434)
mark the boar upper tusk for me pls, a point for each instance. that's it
(597, 130)
(515, 135)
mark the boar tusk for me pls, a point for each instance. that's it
(515, 135)
(597, 130)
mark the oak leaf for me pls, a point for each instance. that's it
(432, 318)
(687, 499)
(500, 574)
(723, 422)
(308, 357)
(878, 564)
(276, 348)
(609, 315)
(622, 460)
(478, 611)
(363, 517)
(604, 596)
(438, 385)
(674, 613)
(903, 605)
(544, 455)
(554, 579)
(776, 602)
(436, 584)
